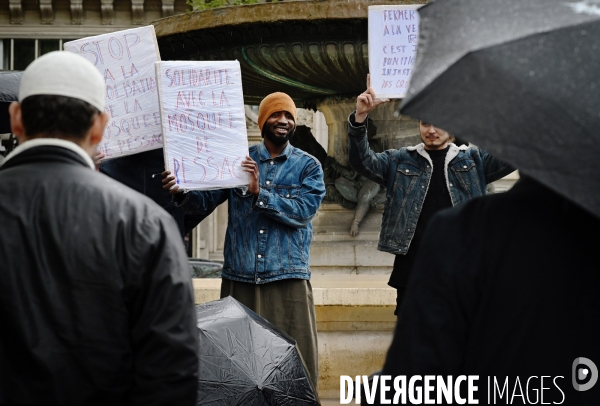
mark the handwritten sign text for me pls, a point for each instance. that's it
(126, 61)
(393, 36)
(203, 119)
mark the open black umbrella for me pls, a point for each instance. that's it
(9, 92)
(519, 78)
(245, 360)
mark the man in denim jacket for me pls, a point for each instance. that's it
(420, 181)
(269, 231)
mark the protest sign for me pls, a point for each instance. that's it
(203, 122)
(126, 61)
(393, 36)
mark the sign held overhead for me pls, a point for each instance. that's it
(393, 36)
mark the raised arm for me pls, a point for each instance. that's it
(371, 165)
(362, 159)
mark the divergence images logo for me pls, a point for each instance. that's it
(585, 374)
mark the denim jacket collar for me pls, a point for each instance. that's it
(452, 152)
(264, 155)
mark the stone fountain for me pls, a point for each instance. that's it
(317, 52)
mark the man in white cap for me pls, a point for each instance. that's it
(96, 303)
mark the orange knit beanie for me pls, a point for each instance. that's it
(273, 103)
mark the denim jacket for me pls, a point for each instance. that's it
(406, 173)
(268, 237)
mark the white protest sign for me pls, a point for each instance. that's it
(393, 36)
(126, 61)
(204, 123)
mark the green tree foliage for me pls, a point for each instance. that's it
(206, 4)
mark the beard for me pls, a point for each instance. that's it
(277, 139)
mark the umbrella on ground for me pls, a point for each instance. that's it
(9, 92)
(519, 78)
(245, 360)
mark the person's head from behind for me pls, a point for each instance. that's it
(277, 118)
(61, 96)
(433, 137)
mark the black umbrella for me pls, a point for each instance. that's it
(245, 360)
(519, 78)
(9, 92)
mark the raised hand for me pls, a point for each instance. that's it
(250, 166)
(98, 157)
(366, 102)
(169, 183)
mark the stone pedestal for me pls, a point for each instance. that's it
(334, 250)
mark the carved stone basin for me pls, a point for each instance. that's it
(317, 52)
(311, 50)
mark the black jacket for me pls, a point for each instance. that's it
(96, 303)
(506, 285)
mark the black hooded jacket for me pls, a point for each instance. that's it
(96, 303)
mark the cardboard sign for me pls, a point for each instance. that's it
(126, 61)
(204, 123)
(393, 36)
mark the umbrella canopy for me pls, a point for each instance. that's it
(519, 78)
(9, 92)
(245, 360)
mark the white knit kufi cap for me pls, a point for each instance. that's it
(63, 73)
